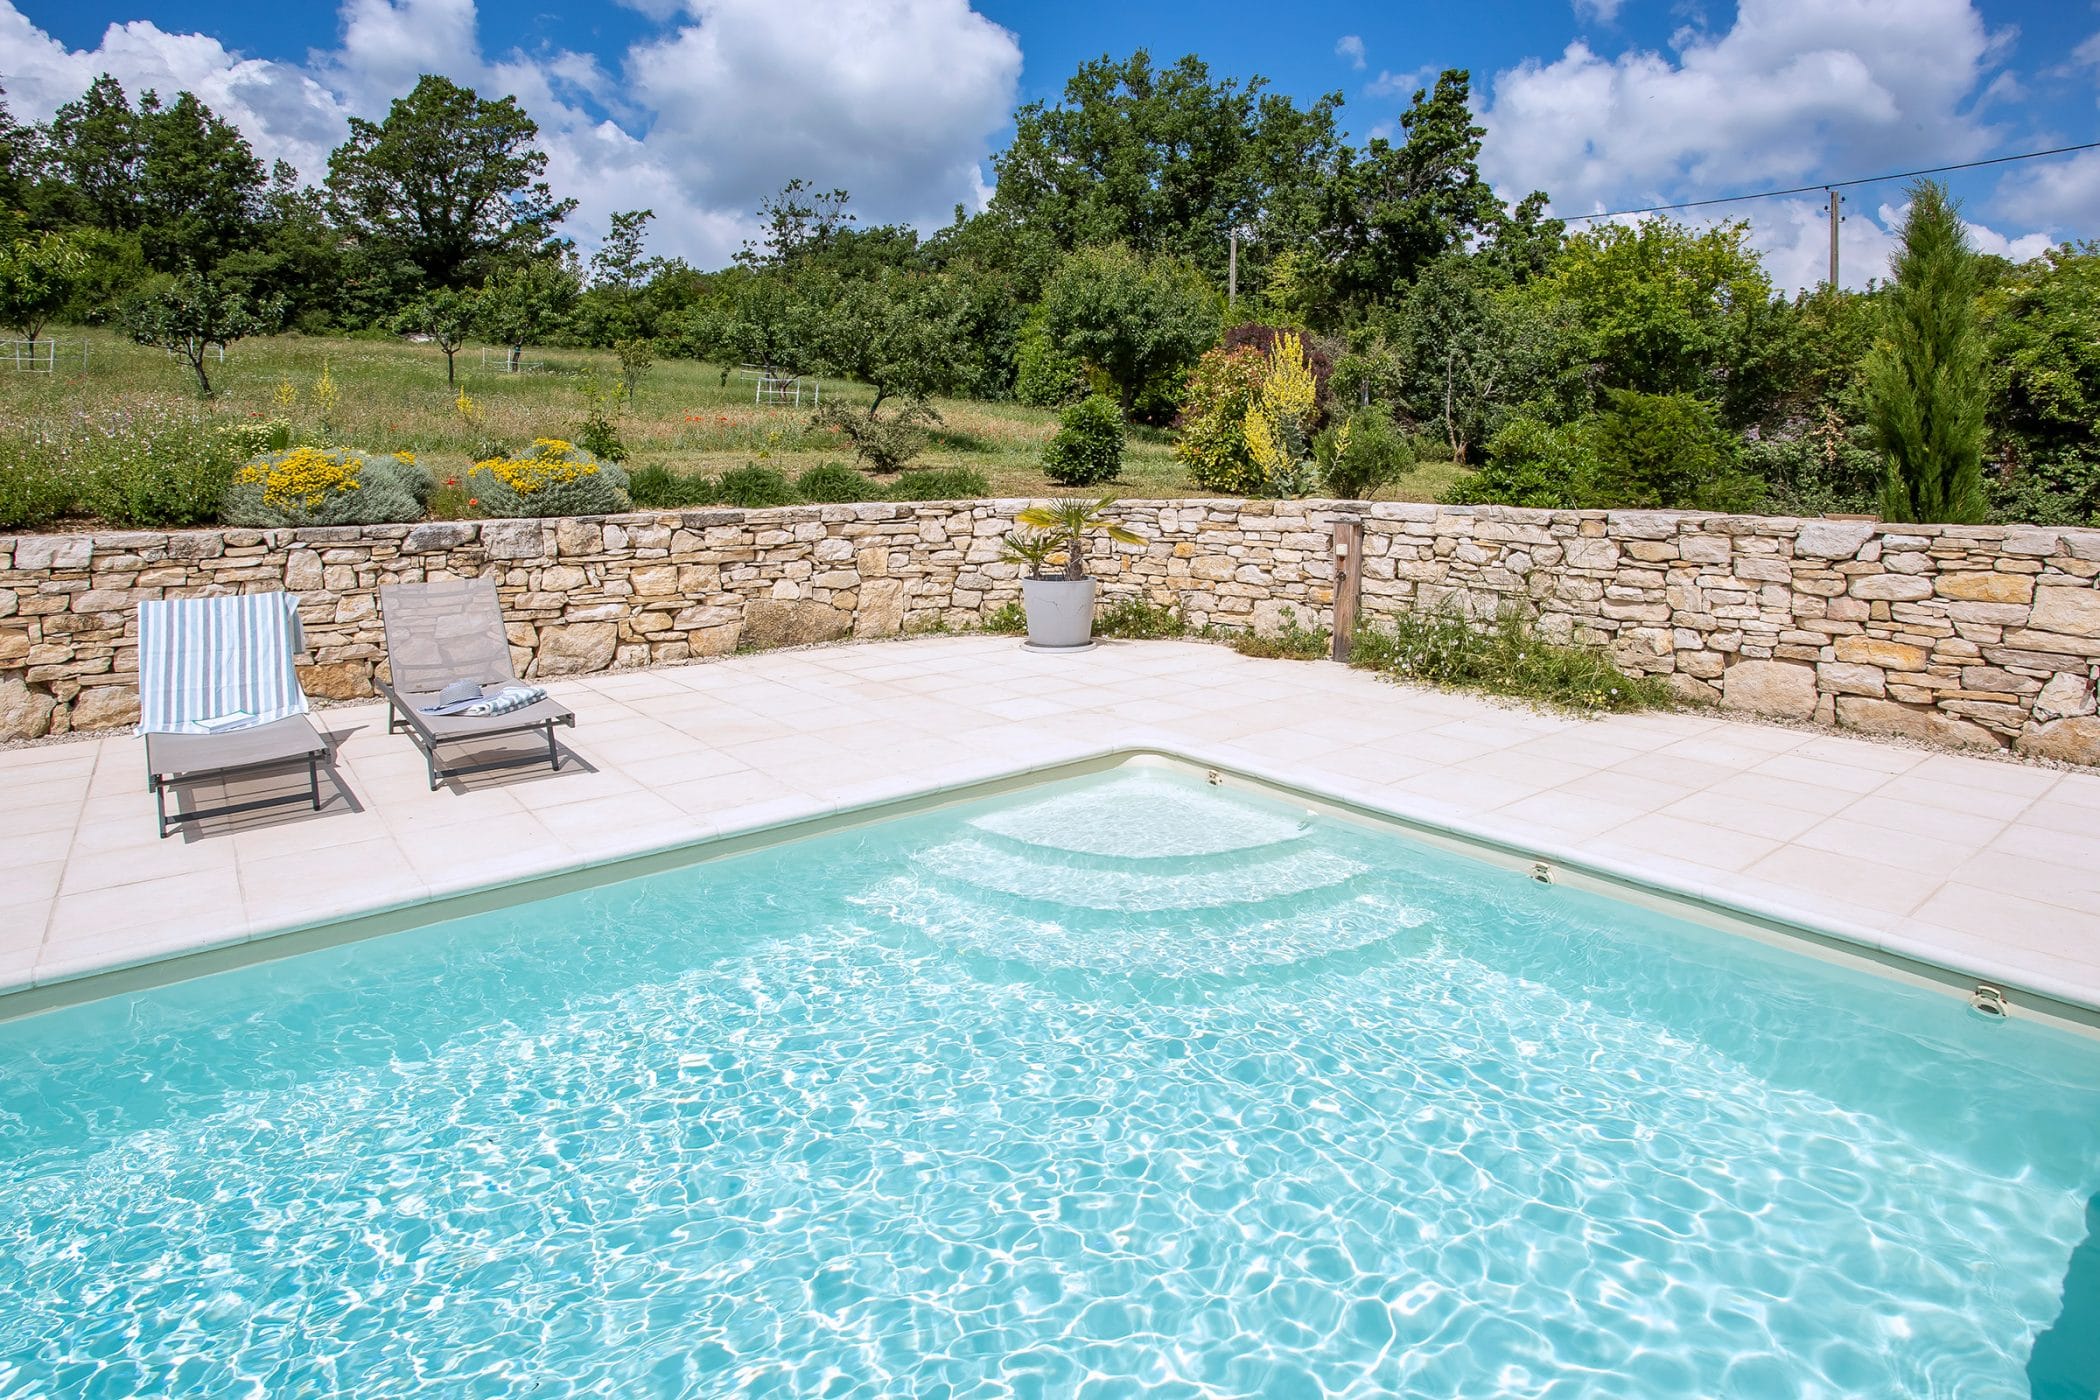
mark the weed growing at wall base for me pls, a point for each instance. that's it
(1502, 657)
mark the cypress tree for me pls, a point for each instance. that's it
(1924, 377)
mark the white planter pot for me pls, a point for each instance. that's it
(1060, 612)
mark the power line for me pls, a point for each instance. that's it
(1834, 184)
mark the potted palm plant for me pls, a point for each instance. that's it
(1060, 606)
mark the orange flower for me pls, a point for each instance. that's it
(473, 500)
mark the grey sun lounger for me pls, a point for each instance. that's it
(439, 633)
(219, 697)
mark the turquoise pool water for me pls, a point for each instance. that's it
(1122, 1086)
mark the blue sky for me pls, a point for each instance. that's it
(696, 107)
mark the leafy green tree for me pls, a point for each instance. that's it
(95, 145)
(200, 186)
(1088, 446)
(1168, 161)
(38, 276)
(446, 317)
(894, 334)
(1924, 377)
(1475, 352)
(295, 256)
(523, 304)
(1392, 209)
(1532, 463)
(2041, 327)
(449, 181)
(1662, 309)
(615, 305)
(189, 314)
(1141, 322)
(20, 154)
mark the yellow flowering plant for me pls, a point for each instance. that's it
(308, 485)
(1278, 422)
(551, 477)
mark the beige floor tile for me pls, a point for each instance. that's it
(1819, 875)
(1698, 842)
(1883, 845)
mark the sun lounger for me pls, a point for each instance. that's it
(439, 635)
(219, 697)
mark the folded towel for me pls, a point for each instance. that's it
(504, 701)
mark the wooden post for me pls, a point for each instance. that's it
(1348, 573)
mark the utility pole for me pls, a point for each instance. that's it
(1836, 200)
(1232, 269)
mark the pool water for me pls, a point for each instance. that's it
(1124, 1085)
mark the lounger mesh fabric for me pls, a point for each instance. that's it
(438, 633)
(203, 658)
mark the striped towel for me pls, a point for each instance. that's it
(515, 697)
(209, 665)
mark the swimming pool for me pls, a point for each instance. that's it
(1120, 1085)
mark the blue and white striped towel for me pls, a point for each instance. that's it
(209, 665)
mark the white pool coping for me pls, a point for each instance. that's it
(1947, 866)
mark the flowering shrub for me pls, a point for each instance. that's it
(1213, 438)
(551, 477)
(1278, 421)
(326, 486)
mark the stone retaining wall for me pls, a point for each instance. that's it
(1978, 636)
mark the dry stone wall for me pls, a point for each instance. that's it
(1977, 636)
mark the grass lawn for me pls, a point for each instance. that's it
(392, 395)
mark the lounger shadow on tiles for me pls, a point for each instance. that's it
(446, 640)
(219, 698)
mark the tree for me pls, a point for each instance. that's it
(1166, 160)
(449, 181)
(1141, 322)
(38, 276)
(1924, 376)
(200, 186)
(895, 335)
(749, 318)
(94, 142)
(1473, 351)
(1656, 451)
(1393, 209)
(520, 305)
(447, 317)
(2042, 373)
(190, 314)
(1663, 309)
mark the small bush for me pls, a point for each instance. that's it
(755, 488)
(1504, 657)
(1008, 619)
(1363, 455)
(885, 444)
(152, 467)
(326, 486)
(1134, 619)
(944, 484)
(1088, 448)
(835, 483)
(1657, 451)
(1530, 463)
(1293, 641)
(657, 487)
(33, 492)
(1212, 441)
(260, 438)
(551, 477)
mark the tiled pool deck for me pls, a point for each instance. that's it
(1983, 866)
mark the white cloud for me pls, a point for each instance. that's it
(2060, 193)
(896, 100)
(1602, 11)
(1400, 86)
(1792, 91)
(1351, 47)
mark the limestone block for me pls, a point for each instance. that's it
(512, 539)
(1913, 722)
(2066, 696)
(436, 536)
(39, 552)
(657, 581)
(336, 680)
(1832, 539)
(577, 646)
(25, 710)
(777, 622)
(572, 536)
(1848, 678)
(14, 644)
(881, 608)
(104, 707)
(1973, 587)
(2072, 611)
(2075, 740)
(1873, 651)
(1891, 587)
(1778, 688)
